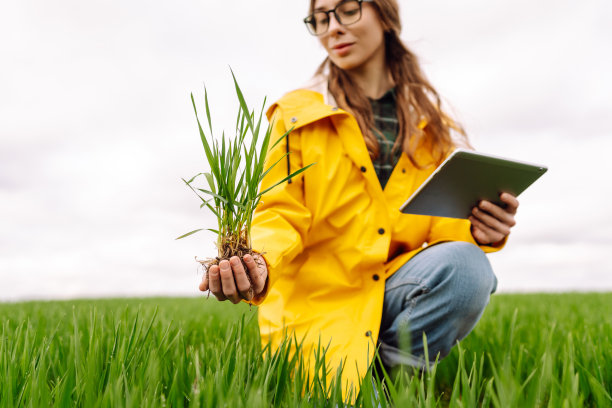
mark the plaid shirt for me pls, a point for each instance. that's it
(385, 122)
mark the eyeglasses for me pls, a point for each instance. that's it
(346, 13)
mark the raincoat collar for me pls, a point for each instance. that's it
(304, 107)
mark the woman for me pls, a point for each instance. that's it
(343, 267)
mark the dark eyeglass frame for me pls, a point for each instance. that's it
(308, 20)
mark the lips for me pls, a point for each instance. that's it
(342, 48)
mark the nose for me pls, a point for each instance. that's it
(334, 24)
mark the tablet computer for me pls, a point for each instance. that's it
(465, 178)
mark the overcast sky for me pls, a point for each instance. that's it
(96, 129)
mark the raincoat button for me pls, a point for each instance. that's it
(293, 119)
(381, 231)
(363, 169)
(375, 277)
(368, 333)
(403, 170)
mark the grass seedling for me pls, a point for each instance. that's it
(236, 172)
(528, 350)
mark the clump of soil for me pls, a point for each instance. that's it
(231, 246)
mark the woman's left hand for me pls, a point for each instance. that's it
(491, 223)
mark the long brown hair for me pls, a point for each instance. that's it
(421, 119)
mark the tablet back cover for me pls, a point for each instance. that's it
(467, 177)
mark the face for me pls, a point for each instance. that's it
(357, 45)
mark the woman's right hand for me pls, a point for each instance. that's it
(228, 280)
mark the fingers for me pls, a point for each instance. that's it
(204, 284)
(228, 281)
(501, 219)
(243, 285)
(511, 202)
(214, 282)
(497, 223)
(228, 285)
(258, 272)
(492, 223)
(483, 234)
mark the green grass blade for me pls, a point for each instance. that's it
(261, 113)
(281, 138)
(194, 191)
(295, 173)
(272, 166)
(208, 116)
(217, 196)
(189, 233)
(243, 104)
(193, 178)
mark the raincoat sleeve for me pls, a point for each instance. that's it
(451, 229)
(281, 221)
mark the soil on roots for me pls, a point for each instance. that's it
(230, 246)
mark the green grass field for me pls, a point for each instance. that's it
(528, 350)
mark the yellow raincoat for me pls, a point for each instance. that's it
(332, 236)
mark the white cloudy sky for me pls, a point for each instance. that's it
(96, 129)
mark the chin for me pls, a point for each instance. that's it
(345, 64)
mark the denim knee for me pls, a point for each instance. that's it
(473, 281)
(470, 269)
(441, 292)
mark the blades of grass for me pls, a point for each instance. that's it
(459, 377)
(248, 158)
(239, 122)
(189, 233)
(193, 178)
(208, 115)
(207, 149)
(207, 204)
(252, 154)
(295, 173)
(211, 208)
(236, 169)
(602, 397)
(141, 339)
(194, 191)
(272, 166)
(263, 152)
(217, 196)
(243, 104)
(211, 182)
(256, 132)
(132, 336)
(223, 147)
(282, 137)
(242, 188)
(226, 163)
(242, 132)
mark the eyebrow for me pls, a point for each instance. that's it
(324, 9)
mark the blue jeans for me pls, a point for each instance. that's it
(442, 291)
